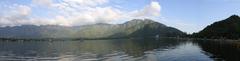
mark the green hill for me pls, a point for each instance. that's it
(227, 29)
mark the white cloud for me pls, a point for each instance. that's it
(17, 15)
(86, 2)
(94, 15)
(78, 12)
(24, 10)
(43, 2)
(150, 10)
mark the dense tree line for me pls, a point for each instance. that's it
(225, 29)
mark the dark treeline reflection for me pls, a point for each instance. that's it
(221, 50)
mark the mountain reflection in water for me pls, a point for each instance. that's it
(221, 51)
(163, 49)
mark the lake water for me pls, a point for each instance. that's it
(164, 49)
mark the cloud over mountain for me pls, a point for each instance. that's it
(74, 12)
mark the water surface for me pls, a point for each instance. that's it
(164, 49)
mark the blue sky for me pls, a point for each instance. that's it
(194, 15)
(187, 15)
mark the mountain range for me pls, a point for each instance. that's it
(130, 29)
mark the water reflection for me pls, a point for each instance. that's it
(164, 49)
(221, 51)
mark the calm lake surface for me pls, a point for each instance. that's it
(164, 49)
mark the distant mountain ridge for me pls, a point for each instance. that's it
(227, 29)
(133, 28)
